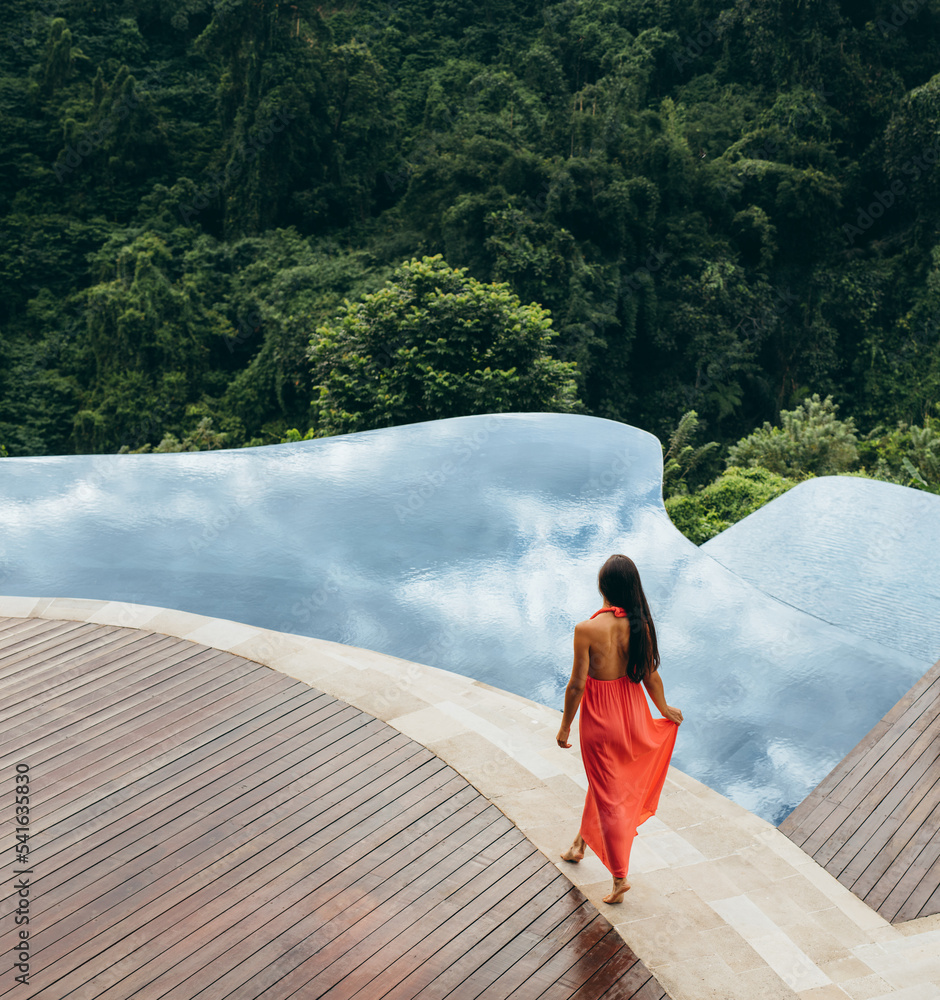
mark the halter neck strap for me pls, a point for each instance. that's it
(618, 612)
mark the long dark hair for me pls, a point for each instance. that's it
(619, 582)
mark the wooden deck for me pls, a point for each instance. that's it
(205, 826)
(874, 822)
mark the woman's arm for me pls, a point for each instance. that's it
(654, 685)
(575, 688)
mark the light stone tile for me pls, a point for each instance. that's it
(309, 669)
(19, 607)
(654, 825)
(925, 991)
(72, 609)
(774, 867)
(740, 872)
(125, 615)
(663, 938)
(535, 806)
(674, 848)
(498, 776)
(808, 896)
(711, 978)
(782, 846)
(707, 882)
(500, 738)
(733, 949)
(788, 961)
(765, 984)
(588, 871)
(904, 961)
(427, 725)
(566, 790)
(266, 646)
(39, 609)
(822, 947)
(178, 623)
(831, 992)
(921, 925)
(643, 857)
(377, 695)
(778, 902)
(866, 988)
(926, 945)
(845, 930)
(223, 634)
(846, 968)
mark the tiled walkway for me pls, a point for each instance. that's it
(723, 905)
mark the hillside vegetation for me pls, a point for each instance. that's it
(708, 207)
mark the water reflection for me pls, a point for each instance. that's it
(470, 544)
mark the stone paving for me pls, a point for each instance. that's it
(723, 905)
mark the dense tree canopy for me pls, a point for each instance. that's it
(434, 343)
(723, 206)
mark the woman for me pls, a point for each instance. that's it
(625, 750)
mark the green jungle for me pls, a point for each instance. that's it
(239, 222)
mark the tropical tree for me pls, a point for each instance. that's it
(434, 343)
(810, 439)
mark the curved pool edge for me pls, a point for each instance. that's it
(721, 900)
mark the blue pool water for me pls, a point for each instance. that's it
(470, 544)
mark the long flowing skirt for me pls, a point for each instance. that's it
(626, 755)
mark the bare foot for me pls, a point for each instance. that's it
(621, 886)
(576, 852)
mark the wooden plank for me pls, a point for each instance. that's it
(872, 822)
(577, 977)
(215, 829)
(162, 731)
(206, 824)
(551, 931)
(622, 977)
(100, 676)
(900, 853)
(168, 703)
(876, 818)
(171, 801)
(117, 799)
(904, 806)
(51, 652)
(24, 628)
(856, 767)
(448, 943)
(309, 906)
(109, 703)
(167, 918)
(330, 954)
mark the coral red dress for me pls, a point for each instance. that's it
(626, 754)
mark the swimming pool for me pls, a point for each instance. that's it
(470, 544)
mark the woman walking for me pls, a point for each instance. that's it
(625, 751)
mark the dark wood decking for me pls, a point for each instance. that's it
(205, 826)
(874, 822)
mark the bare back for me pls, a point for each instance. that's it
(609, 643)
